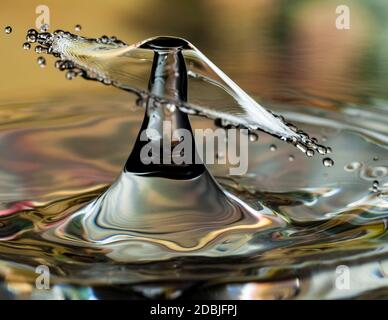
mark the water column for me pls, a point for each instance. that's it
(178, 206)
(168, 80)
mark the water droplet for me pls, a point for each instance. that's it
(104, 39)
(78, 27)
(106, 81)
(375, 186)
(44, 27)
(8, 29)
(41, 62)
(32, 32)
(322, 149)
(301, 147)
(291, 158)
(26, 46)
(303, 135)
(253, 136)
(31, 38)
(310, 152)
(324, 138)
(58, 33)
(273, 147)
(376, 158)
(70, 75)
(328, 150)
(58, 64)
(327, 162)
(45, 38)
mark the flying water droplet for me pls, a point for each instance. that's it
(310, 153)
(291, 158)
(375, 186)
(32, 32)
(301, 147)
(8, 29)
(322, 149)
(31, 38)
(253, 136)
(328, 162)
(41, 62)
(78, 27)
(38, 49)
(273, 147)
(26, 46)
(70, 75)
(104, 39)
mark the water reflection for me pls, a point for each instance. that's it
(59, 154)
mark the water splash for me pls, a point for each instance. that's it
(112, 62)
(284, 227)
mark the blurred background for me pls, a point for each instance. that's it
(287, 51)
